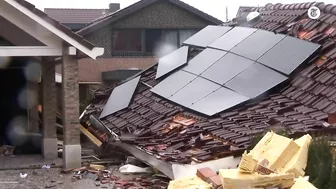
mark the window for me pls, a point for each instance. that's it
(153, 39)
(170, 38)
(127, 40)
(149, 41)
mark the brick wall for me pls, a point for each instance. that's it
(157, 15)
(48, 99)
(102, 38)
(70, 100)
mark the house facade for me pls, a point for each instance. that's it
(134, 38)
(147, 28)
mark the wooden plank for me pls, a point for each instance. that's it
(93, 139)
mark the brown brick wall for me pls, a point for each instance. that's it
(102, 38)
(48, 99)
(70, 100)
(161, 15)
(158, 15)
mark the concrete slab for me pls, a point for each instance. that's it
(174, 171)
(72, 156)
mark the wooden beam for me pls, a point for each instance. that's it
(6, 51)
(94, 139)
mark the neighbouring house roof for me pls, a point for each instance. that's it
(81, 16)
(113, 17)
(66, 34)
(90, 71)
(157, 125)
(244, 9)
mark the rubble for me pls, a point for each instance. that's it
(274, 162)
(234, 179)
(189, 183)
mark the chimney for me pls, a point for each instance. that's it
(114, 7)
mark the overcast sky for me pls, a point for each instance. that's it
(215, 8)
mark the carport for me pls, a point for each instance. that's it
(31, 44)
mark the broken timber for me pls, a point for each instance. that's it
(93, 139)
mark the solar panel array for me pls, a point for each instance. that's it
(120, 97)
(236, 65)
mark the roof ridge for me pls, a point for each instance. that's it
(325, 8)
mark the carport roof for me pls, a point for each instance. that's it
(66, 34)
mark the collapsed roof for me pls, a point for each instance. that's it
(302, 95)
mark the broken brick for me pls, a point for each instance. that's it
(114, 178)
(105, 181)
(205, 173)
(215, 181)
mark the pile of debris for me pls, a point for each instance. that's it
(276, 162)
(105, 176)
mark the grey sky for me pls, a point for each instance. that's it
(215, 8)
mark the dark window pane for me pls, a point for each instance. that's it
(135, 43)
(170, 38)
(153, 39)
(127, 40)
(119, 40)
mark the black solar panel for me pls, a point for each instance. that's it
(120, 97)
(218, 101)
(194, 91)
(173, 83)
(257, 44)
(206, 36)
(255, 80)
(226, 68)
(172, 61)
(232, 38)
(203, 61)
(288, 54)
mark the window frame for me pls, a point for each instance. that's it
(143, 51)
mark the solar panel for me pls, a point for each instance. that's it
(232, 38)
(255, 80)
(257, 44)
(173, 83)
(172, 61)
(203, 60)
(120, 97)
(287, 55)
(194, 91)
(218, 101)
(226, 68)
(206, 36)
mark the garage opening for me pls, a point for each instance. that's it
(13, 108)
